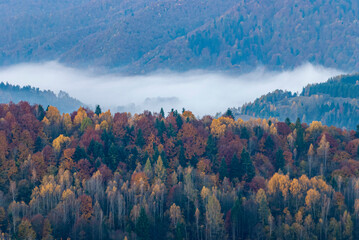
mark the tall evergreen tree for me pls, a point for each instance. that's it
(246, 166)
(143, 226)
(179, 121)
(95, 149)
(182, 157)
(244, 133)
(180, 231)
(211, 148)
(79, 154)
(279, 160)
(40, 113)
(299, 142)
(162, 112)
(223, 169)
(237, 217)
(164, 158)
(287, 121)
(98, 110)
(113, 157)
(235, 170)
(229, 113)
(140, 141)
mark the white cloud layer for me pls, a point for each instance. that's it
(199, 91)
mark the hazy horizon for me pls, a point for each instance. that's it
(200, 91)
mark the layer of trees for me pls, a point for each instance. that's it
(334, 102)
(145, 35)
(94, 175)
(15, 93)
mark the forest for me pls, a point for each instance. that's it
(142, 36)
(334, 102)
(15, 93)
(98, 175)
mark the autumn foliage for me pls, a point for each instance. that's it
(89, 175)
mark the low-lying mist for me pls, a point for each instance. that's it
(199, 91)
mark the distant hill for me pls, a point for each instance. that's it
(15, 93)
(140, 36)
(335, 102)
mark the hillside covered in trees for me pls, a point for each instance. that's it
(141, 36)
(95, 175)
(15, 94)
(335, 102)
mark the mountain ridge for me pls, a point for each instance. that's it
(140, 37)
(334, 102)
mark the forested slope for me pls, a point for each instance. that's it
(15, 94)
(335, 102)
(93, 175)
(141, 36)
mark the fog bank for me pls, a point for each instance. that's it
(199, 91)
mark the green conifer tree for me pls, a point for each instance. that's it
(98, 110)
(223, 169)
(235, 169)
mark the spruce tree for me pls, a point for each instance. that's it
(162, 112)
(79, 154)
(279, 160)
(98, 110)
(211, 148)
(287, 121)
(223, 169)
(299, 142)
(244, 133)
(140, 141)
(235, 170)
(179, 121)
(38, 144)
(182, 158)
(40, 113)
(164, 158)
(246, 166)
(143, 226)
(229, 113)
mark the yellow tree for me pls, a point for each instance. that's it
(66, 119)
(80, 116)
(60, 142)
(310, 159)
(219, 126)
(53, 115)
(323, 151)
(263, 208)
(160, 170)
(347, 223)
(295, 190)
(312, 200)
(279, 183)
(175, 214)
(25, 231)
(214, 218)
